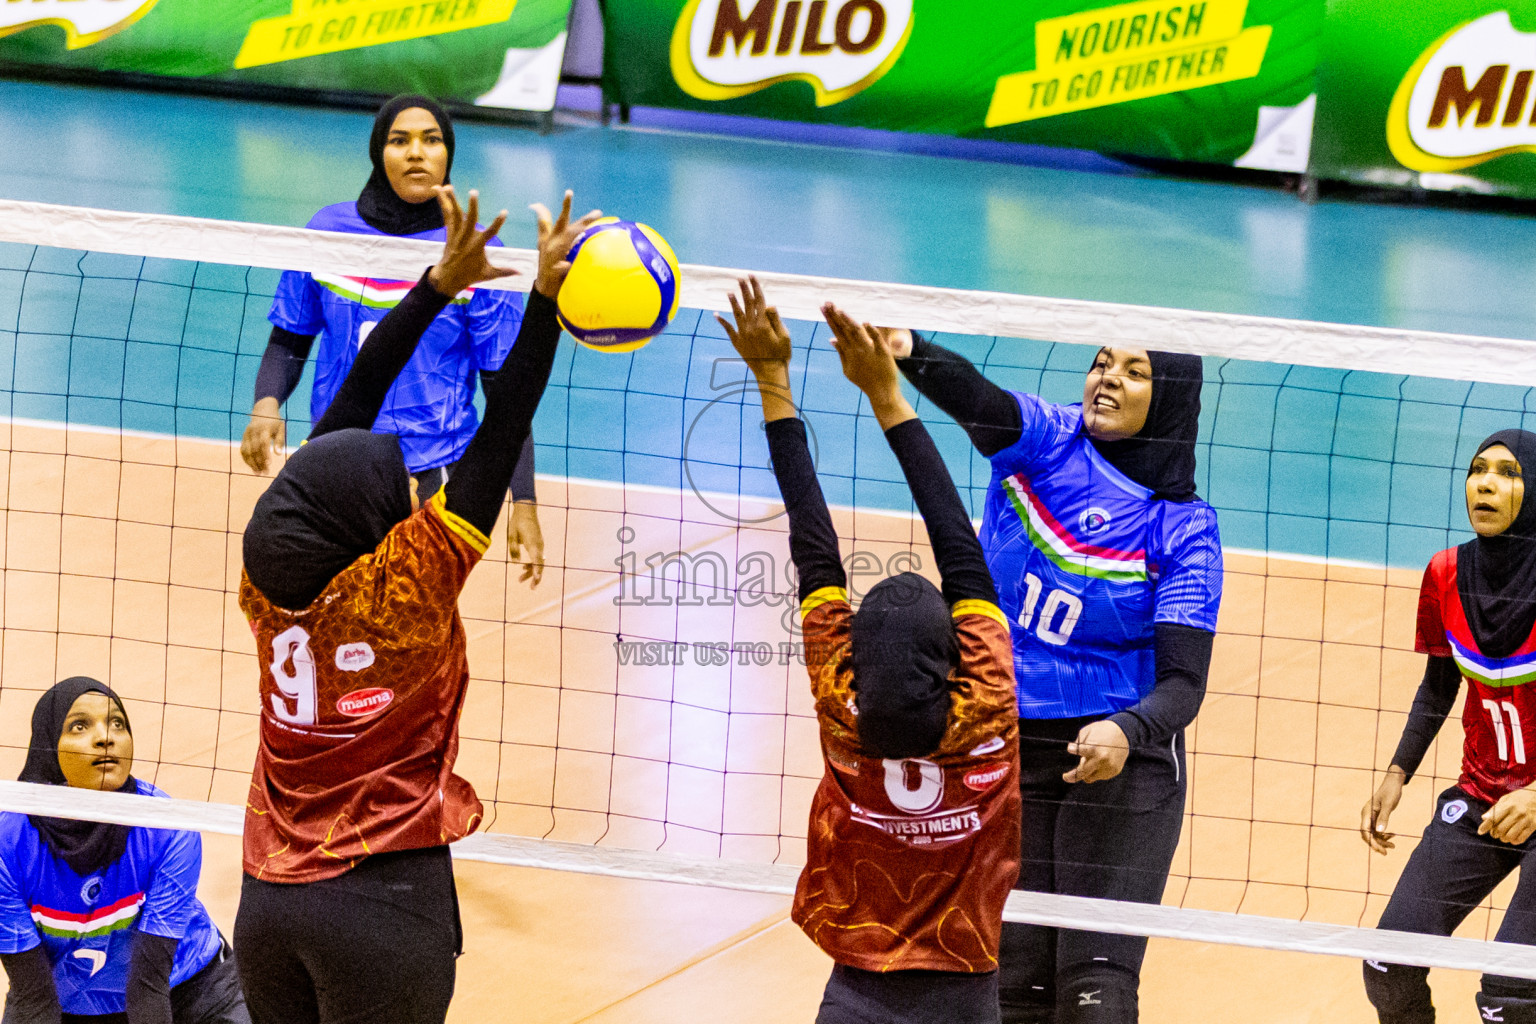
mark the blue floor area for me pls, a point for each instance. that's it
(1355, 466)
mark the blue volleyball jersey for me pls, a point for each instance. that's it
(431, 405)
(86, 923)
(1085, 563)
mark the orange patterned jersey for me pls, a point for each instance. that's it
(909, 862)
(360, 700)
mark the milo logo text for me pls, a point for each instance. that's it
(84, 21)
(1467, 99)
(722, 49)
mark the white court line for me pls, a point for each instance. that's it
(777, 879)
(799, 296)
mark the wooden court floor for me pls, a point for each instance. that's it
(121, 554)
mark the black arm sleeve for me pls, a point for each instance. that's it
(1433, 702)
(1182, 656)
(523, 488)
(32, 998)
(950, 381)
(382, 357)
(149, 979)
(478, 484)
(812, 538)
(282, 364)
(962, 566)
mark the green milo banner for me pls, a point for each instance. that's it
(1226, 81)
(503, 53)
(1437, 95)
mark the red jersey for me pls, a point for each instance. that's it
(360, 700)
(1496, 757)
(909, 862)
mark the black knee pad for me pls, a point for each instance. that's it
(1399, 993)
(1507, 1000)
(1097, 993)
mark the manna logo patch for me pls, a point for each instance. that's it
(84, 21)
(1467, 99)
(984, 778)
(722, 49)
(362, 703)
(1130, 52)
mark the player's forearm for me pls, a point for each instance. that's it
(523, 486)
(479, 482)
(282, 364)
(987, 413)
(961, 563)
(812, 537)
(149, 979)
(1431, 704)
(388, 348)
(32, 997)
(1182, 662)
(774, 392)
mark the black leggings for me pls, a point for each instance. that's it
(1451, 871)
(374, 945)
(854, 996)
(1114, 840)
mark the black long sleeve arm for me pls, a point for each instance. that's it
(962, 566)
(523, 488)
(812, 537)
(282, 364)
(479, 482)
(32, 997)
(1431, 705)
(149, 979)
(388, 348)
(1182, 662)
(987, 413)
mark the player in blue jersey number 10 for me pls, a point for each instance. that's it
(1108, 567)
(1477, 616)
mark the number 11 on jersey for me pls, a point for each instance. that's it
(1516, 739)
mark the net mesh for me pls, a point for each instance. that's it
(649, 694)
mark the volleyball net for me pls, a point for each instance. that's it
(645, 711)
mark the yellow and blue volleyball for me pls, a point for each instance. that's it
(622, 290)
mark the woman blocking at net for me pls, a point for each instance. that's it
(914, 829)
(1476, 622)
(1109, 569)
(348, 911)
(430, 407)
(101, 922)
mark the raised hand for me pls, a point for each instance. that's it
(555, 240)
(464, 262)
(870, 365)
(758, 335)
(759, 338)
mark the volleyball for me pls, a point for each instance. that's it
(622, 290)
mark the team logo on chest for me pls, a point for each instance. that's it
(90, 890)
(1093, 519)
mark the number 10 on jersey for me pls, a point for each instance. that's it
(1059, 616)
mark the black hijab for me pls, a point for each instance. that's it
(86, 846)
(1496, 576)
(379, 204)
(1161, 456)
(904, 648)
(333, 502)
